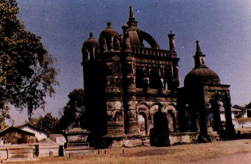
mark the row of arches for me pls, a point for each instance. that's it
(147, 118)
(216, 115)
(153, 81)
(90, 53)
(112, 43)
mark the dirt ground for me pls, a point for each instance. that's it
(221, 152)
(232, 152)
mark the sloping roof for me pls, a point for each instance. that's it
(235, 110)
(27, 124)
(222, 109)
(56, 135)
(238, 106)
(248, 106)
(15, 129)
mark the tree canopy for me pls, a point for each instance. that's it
(74, 111)
(48, 123)
(27, 74)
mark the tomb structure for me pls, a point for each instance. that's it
(132, 91)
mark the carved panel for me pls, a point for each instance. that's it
(131, 115)
(109, 82)
(110, 105)
(119, 116)
(109, 68)
(132, 104)
(117, 105)
(115, 115)
(129, 67)
(130, 82)
(116, 68)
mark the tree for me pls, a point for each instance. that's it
(74, 111)
(27, 74)
(48, 123)
(32, 121)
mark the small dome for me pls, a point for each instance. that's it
(134, 38)
(91, 42)
(109, 32)
(200, 76)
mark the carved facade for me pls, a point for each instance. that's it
(132, 90)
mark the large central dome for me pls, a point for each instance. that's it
(201, 74)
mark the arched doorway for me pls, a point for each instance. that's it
(143, 119)
(171, 115)
(161, 137)
(142, 122)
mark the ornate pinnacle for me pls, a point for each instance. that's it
(131, 15)
(91, 34)
(198, 46)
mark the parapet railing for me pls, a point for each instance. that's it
(152, 52)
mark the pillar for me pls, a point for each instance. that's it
(127, 44)
(203, 123)
(216, 114)
(229, 125)
(172, 46)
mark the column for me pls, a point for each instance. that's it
(229, 125)
(216, 114)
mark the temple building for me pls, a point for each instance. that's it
(132, 92)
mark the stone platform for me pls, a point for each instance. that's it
(137, 140)
(78, 150)
(14, 153)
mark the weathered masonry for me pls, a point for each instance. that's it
(131, 91)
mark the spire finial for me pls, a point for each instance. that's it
(198, 46)
(91, 34)
(131, 15)
(199, 57)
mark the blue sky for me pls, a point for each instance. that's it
(222, 27)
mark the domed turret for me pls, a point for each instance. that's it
(91, 42)
(90, 48)
(108, 32)
(109, 39)
(201, 74)
(133, 36)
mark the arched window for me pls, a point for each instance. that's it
(166, 84)
(139, 78)
(155, 82)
